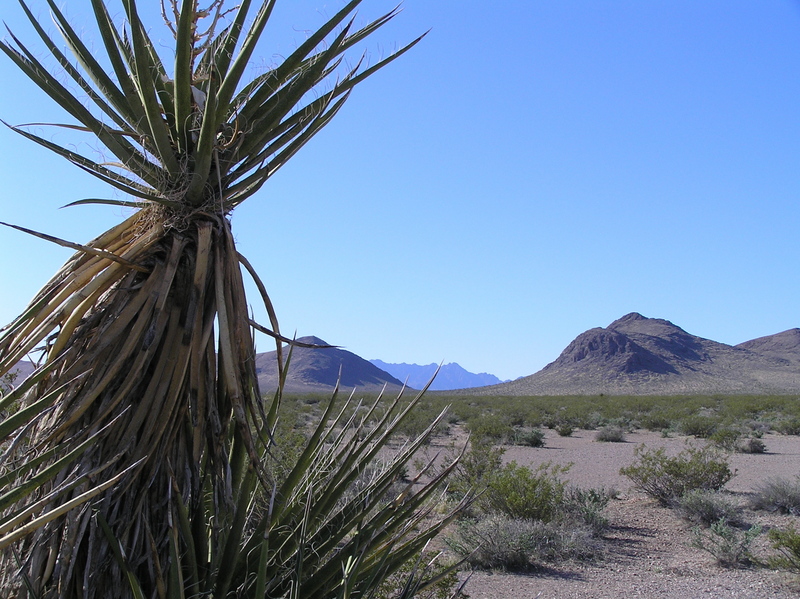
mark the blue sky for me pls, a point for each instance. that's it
(529, 171)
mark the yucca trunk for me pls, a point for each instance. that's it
(158, 362)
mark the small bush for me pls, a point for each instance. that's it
(532, 438)
(789, 427)
(778, 495)
(707, 507)
(500, 542)
(564, 430)
(730, 546)
(787, 542)
(758, 428)
(701, 427)
(475, 469)
(587, 505)
(751, 445)
(610, 434)
(668, 478)
(521, 493)
(656, 422)
(490, 428)
(725, 438)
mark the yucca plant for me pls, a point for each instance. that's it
(136, 456)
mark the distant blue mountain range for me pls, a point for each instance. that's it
(451, 376)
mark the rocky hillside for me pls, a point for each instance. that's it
(651, 356)
(785, 346)
(317, 369)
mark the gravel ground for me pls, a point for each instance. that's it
(648, 551)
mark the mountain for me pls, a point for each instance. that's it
(784, 345)
(317, 369)
(451, 376)
(651, 356)
(21, 371)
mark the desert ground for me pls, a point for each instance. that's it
(648, 546)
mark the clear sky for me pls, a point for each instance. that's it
(529, 171)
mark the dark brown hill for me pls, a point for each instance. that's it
(784, 345)
(651, 356)
(317, 369)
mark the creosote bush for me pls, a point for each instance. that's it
(490, 428)
(789, 426)
(701, 427)
(564, 430)
(787, 542)
(668, 478)
(726, 438)
(522, 493)
(529, 438)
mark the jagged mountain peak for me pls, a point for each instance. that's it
(451, 375)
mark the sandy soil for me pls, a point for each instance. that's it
(648, 551)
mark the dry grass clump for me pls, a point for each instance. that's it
(611, 434)
(778, 495)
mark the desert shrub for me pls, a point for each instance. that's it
(730, 546)
(564, 430)
(588, 422)
(611, 434)
(490, 428)
(531, 438)
(707, 507)
(758, 428)
(789, 427)
(521, 493)
(751, 445)
(787, 542)
(587, 505)
(701, 427)
(475, 469)
(501, 542)
(655, 422)
(778, 495)
(668, 478)
(726, 438)
(416, 422)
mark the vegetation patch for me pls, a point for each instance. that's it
(611, 434)
(787, 542)
(730, 546)
(706, 507)
(529, 438)
(505, 543)
(669, 478)
(778, 495)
